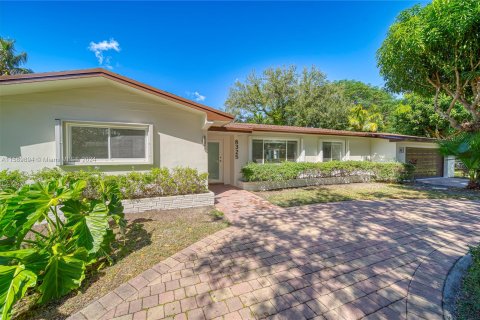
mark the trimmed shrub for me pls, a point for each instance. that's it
(12, 179)
(161, 182)
(157, 182)
(378, 171)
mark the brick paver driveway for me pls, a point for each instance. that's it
(379, 260)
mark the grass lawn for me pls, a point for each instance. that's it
(468, 301)
(361, 191)
(151, 237)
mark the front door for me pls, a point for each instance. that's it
(215, 164)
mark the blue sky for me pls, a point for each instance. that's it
(201, 47)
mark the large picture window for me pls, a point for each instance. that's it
(97, 142)
(274, 151)
(332, 151)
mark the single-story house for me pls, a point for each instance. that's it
(97, 118)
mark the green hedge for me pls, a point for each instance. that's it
(154, 183)
(379, 171)
(12, 179)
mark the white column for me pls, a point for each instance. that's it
(58, 142)
(449, 166)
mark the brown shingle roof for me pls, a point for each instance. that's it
(252, 127)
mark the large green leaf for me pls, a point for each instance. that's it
(7, 244)
(9, 204)
(64, 273)
(33, 203)
(89, 223)
(7, 256)
(115, 210)
(111, 195)
(14, 282)
(50, 194)
(34, 259)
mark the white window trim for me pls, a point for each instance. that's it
(320, 148)
(250, 145)
(68, 124)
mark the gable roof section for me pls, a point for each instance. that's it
(252, 127)
(212, 114)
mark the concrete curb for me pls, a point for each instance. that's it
(452, 285)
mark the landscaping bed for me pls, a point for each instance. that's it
(361, 191)
(64, 239)
(157, 189)
(158, 182)
(374, 171)
(150, 237)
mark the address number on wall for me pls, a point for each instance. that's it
(236, 149)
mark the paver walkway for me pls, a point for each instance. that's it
(348, 260)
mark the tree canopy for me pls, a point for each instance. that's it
(362, 119)
(371, 105)
(415, 115)
(10, 62)
(285, 96)
(435, 51)
(366, 95)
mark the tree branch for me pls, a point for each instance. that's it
(446, 116)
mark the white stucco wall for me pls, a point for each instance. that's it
(359, 148)
(242, 158)
(310, 143)
(27, 123)
(309, 147)
(382, 150)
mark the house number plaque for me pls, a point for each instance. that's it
(236, 148)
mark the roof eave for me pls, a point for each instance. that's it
(390, 137)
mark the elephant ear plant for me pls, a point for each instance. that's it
(465, 146)
(78, 235)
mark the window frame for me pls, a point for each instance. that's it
(344, 150)
(148, 128)
(250, 146)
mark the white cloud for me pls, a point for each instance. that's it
(196, 96)
(103, 46)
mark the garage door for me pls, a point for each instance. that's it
(428, 162)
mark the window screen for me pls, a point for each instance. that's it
(127, 143)
(107, 142)
(273, 151)
(89, 142)
(332, 151)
